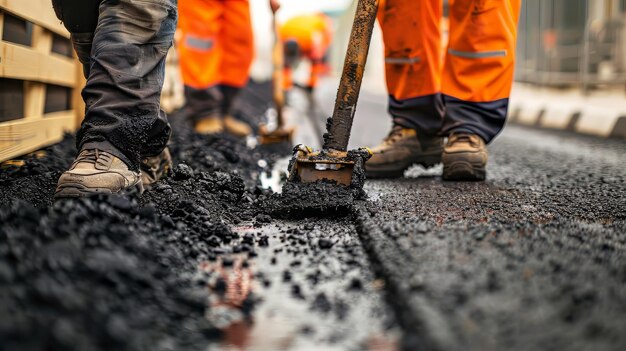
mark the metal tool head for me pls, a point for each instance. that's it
(276, 136)
(342, 167)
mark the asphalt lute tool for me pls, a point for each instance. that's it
(334, 162)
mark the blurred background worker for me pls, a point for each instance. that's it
(464, 99)
(215, 47)
(306, 37)
(122, 46)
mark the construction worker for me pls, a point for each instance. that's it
(308, 37)
(122, 46)
(215, 48)
(464, 98)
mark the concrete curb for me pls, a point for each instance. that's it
(569, 113)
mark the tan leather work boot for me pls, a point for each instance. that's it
(236, 127)
(97, 172)
(401, 149)
(209, 125)
(155, 167)
(464, 157)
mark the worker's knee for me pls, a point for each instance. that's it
(134, 36)
(138, 21)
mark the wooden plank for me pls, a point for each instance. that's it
(24, 63)
(35, 99)
(42, 39)
(27, 135)
(1, 23)
(36, 11)
(35, 92)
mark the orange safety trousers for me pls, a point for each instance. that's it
(462, 88)
(215, 42)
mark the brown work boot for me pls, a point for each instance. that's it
(209, 125)
(464, 157)
(236, 127)
(401, 149)
(155, 167)
(97, 172)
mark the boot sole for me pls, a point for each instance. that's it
(73, 190)
(426, 162)
(464, 171)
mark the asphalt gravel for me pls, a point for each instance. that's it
(531, 259)
(186, 265)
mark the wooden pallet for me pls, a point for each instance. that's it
(40, 100)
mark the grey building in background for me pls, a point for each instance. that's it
(572, 43)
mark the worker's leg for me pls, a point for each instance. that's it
(200, 53)
(122, 94)
(125, 72)
(412, 36)
(237, 53)
(477, 80)
(478, 71)
(238, 44)
(122, 45)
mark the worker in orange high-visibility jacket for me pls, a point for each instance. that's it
(306, 37)
(215, 47)
(461, 93)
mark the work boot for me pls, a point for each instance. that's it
(464, 157)
(97, 172)
(155, 167)
(236, 127)
(401, 149)
(209, 125)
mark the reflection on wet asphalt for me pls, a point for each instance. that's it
(316, 290)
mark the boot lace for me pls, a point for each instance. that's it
(93, 156)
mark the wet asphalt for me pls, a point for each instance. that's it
(534, 258)
(531, 259)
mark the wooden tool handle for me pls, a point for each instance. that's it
(277, 74)
(350, 85)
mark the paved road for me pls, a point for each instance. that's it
(533, 258)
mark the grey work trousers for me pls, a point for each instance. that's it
(122, 45)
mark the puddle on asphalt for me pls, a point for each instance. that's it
(242, 329)
(278, 322)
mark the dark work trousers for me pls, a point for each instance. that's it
(215, 101)
(440, 114)
(122, 45)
